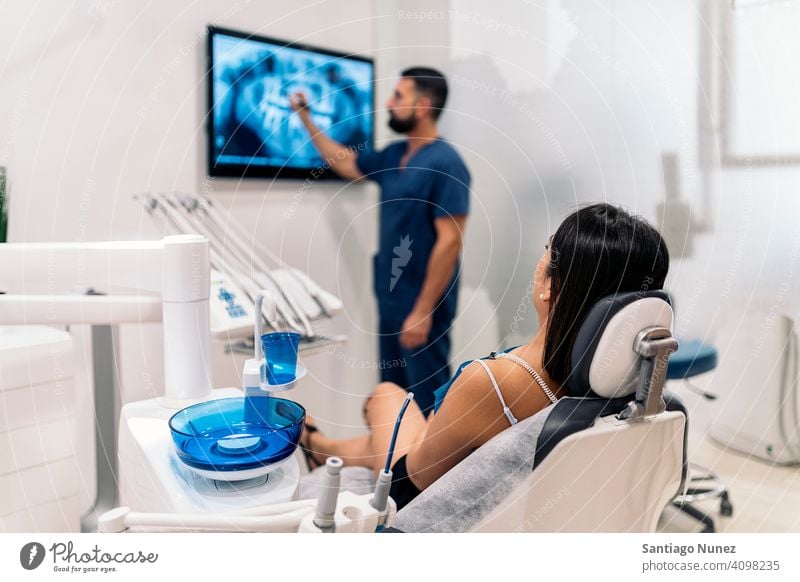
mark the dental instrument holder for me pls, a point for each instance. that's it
(653, 345)
(324, 517)
(255, 381)
(380, 498)
(187, 343)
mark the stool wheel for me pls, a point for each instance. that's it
(725, 506)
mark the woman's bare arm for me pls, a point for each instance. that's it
(469, 416)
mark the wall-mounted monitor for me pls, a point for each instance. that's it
(253, 131)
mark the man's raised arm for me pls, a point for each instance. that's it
(339, 157)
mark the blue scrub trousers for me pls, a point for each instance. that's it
(420, 370)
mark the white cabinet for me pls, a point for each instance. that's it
(39, 481)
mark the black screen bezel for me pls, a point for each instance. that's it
(252, 171)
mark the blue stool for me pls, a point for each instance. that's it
(692, 359)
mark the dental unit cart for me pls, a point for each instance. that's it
(231, 472)
(238, 479)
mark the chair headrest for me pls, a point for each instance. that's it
(603, 361)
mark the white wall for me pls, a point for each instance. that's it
(104, 99)
(553, 103)
(560, 102)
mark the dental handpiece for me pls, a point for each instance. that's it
(384, 482)
(406, 402)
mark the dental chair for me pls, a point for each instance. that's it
(608, 457)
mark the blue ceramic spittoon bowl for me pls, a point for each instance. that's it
(233, 436)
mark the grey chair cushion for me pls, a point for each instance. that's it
(467, 493)
(478, 484)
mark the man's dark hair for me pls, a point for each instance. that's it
(430, 83)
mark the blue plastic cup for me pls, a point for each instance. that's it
(280, 350)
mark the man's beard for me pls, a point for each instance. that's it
(402, 125)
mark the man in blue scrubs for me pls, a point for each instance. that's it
(424, 205)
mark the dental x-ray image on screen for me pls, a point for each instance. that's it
(253, 130)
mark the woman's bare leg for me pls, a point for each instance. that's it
(354, 451)
(381, 413)
(370, 450)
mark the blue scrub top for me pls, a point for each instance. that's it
(434, 183)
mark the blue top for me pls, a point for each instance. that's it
(441, 391)
(434, 183)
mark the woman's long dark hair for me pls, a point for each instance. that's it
(598, 250)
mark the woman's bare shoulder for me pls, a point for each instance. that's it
(474, 388)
